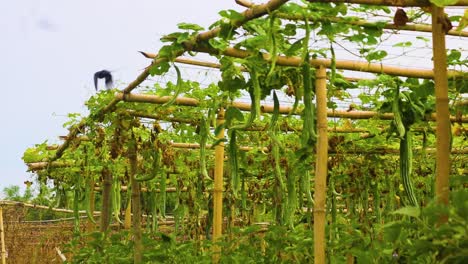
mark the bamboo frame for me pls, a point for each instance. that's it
(136, 206)
(350, 65)
(36, 206)
(218, 189)
(92, 201)
(442, 108)
(184, 60)
(106, 201)
(2, 236)
(407, 3)
(43, 165)
(185, 101)
(371, 24)
(321, 167)
(259, 10)
(359, 66)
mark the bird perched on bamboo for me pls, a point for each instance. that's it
(400, 19)
(106, 75)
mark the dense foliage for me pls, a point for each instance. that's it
(379, 202)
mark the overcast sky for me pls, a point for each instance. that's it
(50, 50)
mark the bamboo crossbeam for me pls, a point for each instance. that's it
(408, 3)
(371, 24)
(36, 206)
(214, 65)
(360, 66)
(34, 166)
(183, 101)
(144, 189)
(197, 146)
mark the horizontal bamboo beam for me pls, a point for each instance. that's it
(35, 166)
(184, 101)
(462, 151)
(372, 24)
(214, 65)
(360, 66)
(22, 204)
(144, 189)
(408, 3)
(380, 150)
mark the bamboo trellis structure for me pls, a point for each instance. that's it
(2, 236)
(440, 74)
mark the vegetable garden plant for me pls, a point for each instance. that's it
(142, 159)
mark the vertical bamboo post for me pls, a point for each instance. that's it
(2, 235)
(92, 205)
(321, 166)
(218, 188)
(128, 209)
(106, 201)
(442, 106)
(136, 206)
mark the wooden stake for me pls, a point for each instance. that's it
(106, 201)
(442, 107)
(136, 206)
(321, 166)
(2, 235)
(92, 201)
(218, 189)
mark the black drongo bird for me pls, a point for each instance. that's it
(106, 75)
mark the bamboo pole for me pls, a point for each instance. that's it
(154, 99)
(370, 24)
(106, 201)
(128, 209)
(407, 3)
(360, 66)
(36, 206)
(321, 167)
(183, 60)
(92, 204)
(136, 206)
(218, 189)
(2, 236)
(442, 107)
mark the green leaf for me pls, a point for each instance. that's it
(159, 69)
(442, 3)
(409, 211)
(232, 15)
(403, 44)
(190, 26)
(377, 55)
(233, 113)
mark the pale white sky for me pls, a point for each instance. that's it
(50, 49)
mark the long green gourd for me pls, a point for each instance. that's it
(156, 166)
(406, 165)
